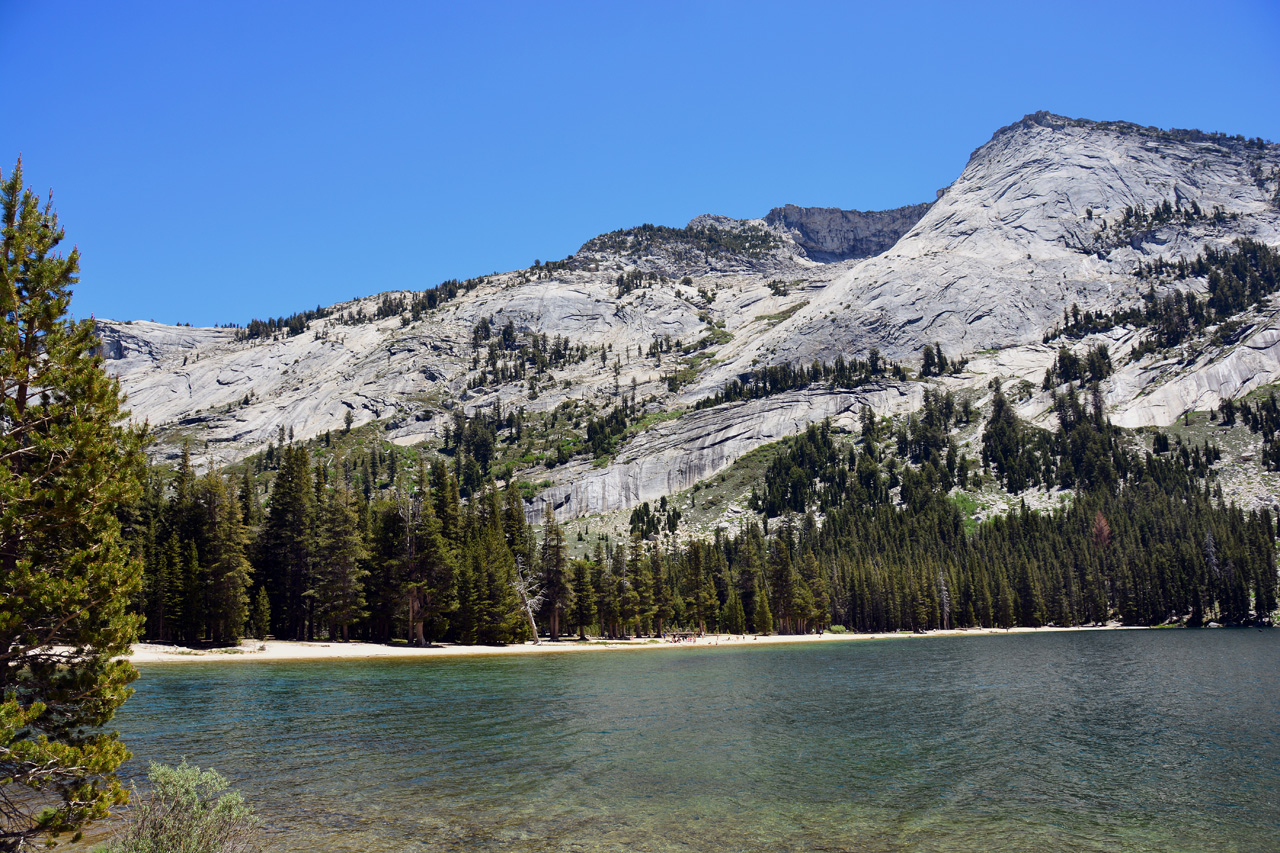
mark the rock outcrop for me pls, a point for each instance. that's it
(1158, 393)
(830, 234)
(675, 455)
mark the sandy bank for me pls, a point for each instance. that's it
(282, 650)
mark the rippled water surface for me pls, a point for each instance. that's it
(1130, 740)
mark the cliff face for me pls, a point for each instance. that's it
(830, 234)
(786, 239)
(1040, 219)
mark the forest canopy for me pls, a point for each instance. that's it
(863, 532)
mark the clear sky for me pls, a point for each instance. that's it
(226, 160)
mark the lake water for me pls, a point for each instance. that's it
(1125, 740)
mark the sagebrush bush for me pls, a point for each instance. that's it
(188, 812)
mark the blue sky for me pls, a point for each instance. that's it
(221, 161)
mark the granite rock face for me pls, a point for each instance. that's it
(1020, 236)
(1158, 393)
(831, 234)
(675, 455)
(1036, 223)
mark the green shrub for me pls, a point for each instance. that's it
(187, 812)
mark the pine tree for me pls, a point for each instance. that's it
(385, 543)
(250, 509)
(705, 605)
(171, 591)
(817, 615)
(194, 581)
(287, 545)
(66, 576)
(584, 600)
(260, 615)
(733, 620)
(557, 585)
(463, 625)
(444, 493)
(601, 583)
(762, 621)
(503, 620)
(642, 582)
(663, 607)
(783, 582)
(340, 571)
(607, 586)
(628, 597)
(929, 365)
(227, 567)
(431, 581)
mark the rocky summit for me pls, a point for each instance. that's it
(1059, 235)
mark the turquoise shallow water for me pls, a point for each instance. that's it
(1134, 740)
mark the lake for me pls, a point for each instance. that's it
(1116, 740)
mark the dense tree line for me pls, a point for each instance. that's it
(294, 324)
(323, 555)
(317, 560)
(691, 243)
(1143, 556)
(776, 378)
(1069, 367)
(1262, 417)
(194, 544)
(1085, 451)
(1143, 540)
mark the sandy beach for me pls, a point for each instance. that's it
(284, 650)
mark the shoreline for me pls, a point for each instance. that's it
(294, 650)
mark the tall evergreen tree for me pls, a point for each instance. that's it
(67, 578)
(817, 601)
(288, 545)
(260, 615)
(227, 566)
(762, 623)
(584, 599)
(557, 584)
(340, 571)
(430, 584)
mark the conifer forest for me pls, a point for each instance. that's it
(851, 532)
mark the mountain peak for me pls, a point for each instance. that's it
(1053, 121)
(1052, 213)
